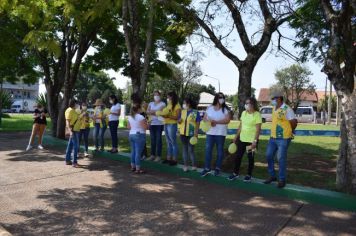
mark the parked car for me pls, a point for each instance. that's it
(303, 114)
(266, 113)
(26, 105)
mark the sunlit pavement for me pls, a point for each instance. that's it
(39, 195)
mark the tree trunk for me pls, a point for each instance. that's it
(245, 82)
(346, 164)
(1, 102)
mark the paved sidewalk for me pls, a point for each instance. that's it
(39, 195)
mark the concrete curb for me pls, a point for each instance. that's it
(333, 199)
(4, 232)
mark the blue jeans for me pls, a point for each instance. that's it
(279, 146)
(156, 140)
(188, 150)
(84, 133)
(113, 131)
(73, 144)
(211, 140)
(137, 143)
(99, 132)
(170, 131)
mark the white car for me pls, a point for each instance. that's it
(303, 114)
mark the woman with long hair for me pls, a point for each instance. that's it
(156, 126)
(218, 114)
(138, 126)
(189, 127)
(115, 111)
(171, 114)
(247, 137)
(38, 127)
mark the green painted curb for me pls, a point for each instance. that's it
(333, 199)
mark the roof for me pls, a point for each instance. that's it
(263, 96)
(321, 94)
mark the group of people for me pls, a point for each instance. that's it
(185, 120)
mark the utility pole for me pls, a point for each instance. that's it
(324, 107)
(329, 103)
(215, 79)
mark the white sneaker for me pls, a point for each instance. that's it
(151, 158)
(158, 159)
(40, 147)
(29, 147)
(185, 168)
(194, 168)
(86, 154)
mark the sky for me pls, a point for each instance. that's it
(215, 64)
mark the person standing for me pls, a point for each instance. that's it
(189, 127)
(84, 128)
(114, 122)
(218, 114)
(137, 125)
(156, 126)
(247, 137)
(38, 127)
(73, 126)
(171, 114)
(283, 125)
(99, 125)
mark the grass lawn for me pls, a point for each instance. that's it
(19, 122)
(301, 126)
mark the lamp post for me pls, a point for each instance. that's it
(215, 79)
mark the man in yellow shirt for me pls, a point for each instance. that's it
(73, 125)
(283, 125)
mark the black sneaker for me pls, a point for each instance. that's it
(166, 161)
(69, 163)
(281, 184)
(247, 178)
(233, 177)
(173, 163)
(270, 180)
(205, 173)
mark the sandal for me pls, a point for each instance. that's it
(140, 172)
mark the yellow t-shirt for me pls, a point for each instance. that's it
(248, 126)
(168, 110)
(84, 120)
(73, 116)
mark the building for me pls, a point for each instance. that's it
(20, 91)
(307, 99)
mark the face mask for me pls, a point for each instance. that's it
(77, 106)
(221, 101)
(111, 102)
(157, 98)
(168, 100)
(84, 108)
(77, 110)
(185, 106)
(274, 102)
(247, 107)
(98, 107)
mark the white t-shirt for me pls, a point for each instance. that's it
(219, 129)
(290, 113)
(116, 109)
(156, 107)
(135, 124)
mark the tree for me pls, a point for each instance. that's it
(323, 103)
(16, 64)
(92, 85)
(42, 100)
(326, 33)
(268, 15)
(295, 82)
(61, 32)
